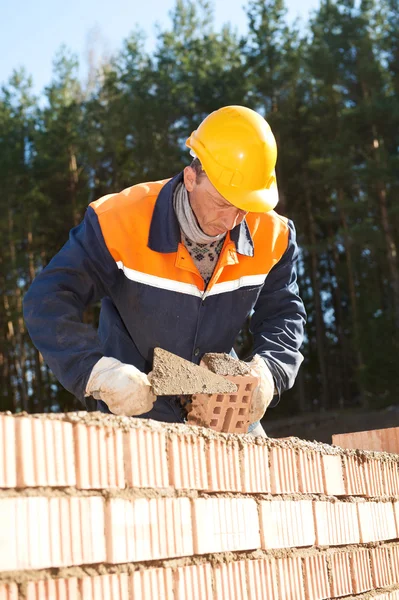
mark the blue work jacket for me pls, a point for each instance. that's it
(127, 252)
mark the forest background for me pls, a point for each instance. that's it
(330, 91)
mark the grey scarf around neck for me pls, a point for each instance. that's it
(187, 220)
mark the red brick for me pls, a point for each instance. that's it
(53, 589)
(396, 511)
(336, 523)
(374, 477)
(8, 464)
(144, 529)
(60, 532)
(225, 524)
(8, 539)
(361, 571)
(230, 581)
(193, 582)
(377, 521)
(92, 528)
(9, 591)
(152, 584)
(390, 470)
(287, 523)
(290, 578)
(317, 585)
(145, 458)
(379, 440)
(224, 412)
(99, 457)
(310, 472)
(341, 580)
(394, 556)
(283, 471)
(262, 579)
(223, 465)
(380, 567)
(354, 476)
(105, 587)
(38, 533)
(333, 476)
(255, 473)
(187, 462)
(45, 455)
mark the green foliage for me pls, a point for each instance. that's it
(331, 94)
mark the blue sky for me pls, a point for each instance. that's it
(31, 31)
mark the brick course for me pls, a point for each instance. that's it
(76, 492)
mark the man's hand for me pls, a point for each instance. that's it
(123, 388)
(263, 394)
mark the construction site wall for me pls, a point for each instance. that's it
(112, 508)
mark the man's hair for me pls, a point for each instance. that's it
(197, 166)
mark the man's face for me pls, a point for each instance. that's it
(214, 214)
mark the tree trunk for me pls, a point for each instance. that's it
(343, 377)
(360, 367)
(73, 185)
(319, 321)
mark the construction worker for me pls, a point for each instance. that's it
(178, 264)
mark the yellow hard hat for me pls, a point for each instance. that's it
(238, 152)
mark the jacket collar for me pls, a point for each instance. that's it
(165, 233)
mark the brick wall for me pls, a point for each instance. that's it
(110, 508)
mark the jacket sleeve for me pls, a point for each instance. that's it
(80, 274)
(279, 318)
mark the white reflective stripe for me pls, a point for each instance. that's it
(160, 282)
(236, 284)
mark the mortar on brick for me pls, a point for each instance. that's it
(224, 364)
(177, 376)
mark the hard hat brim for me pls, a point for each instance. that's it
(260, 201)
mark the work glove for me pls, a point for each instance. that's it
(264, 392)
(123, 388)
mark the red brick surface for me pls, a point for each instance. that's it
(145, 458)
(341, 580)
(354, 476)
(99, 457)
(194, 582)
(377, 521)
(283, 471)
(317, 585)
(223, 464)
(8, 465)
(290, 578)
(310, 473)
(105, 587)
(255, 472)
(379, 440)
(45, 454)
(336, 523)
(151, 583)
(225, 524)
(361, 571)
(262, 579)
(161, 527)
(187, 462)
(230, 581)
(9, 591)
(381, 567)
(287, 524)
(224, 412)
(218, 506)
(333, 476)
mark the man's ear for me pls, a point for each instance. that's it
(190, 178)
